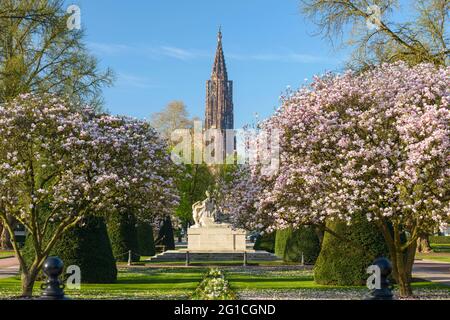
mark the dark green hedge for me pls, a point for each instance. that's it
(291, 244)
(166, 237)
(86, 246)
(440, 239)
(341, 263)
(146, 242)
(265, 242)
(122, 230)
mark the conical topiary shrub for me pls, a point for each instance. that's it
(265, 242)
(166, 237)
(86, 246)
(291, 245)
(344, 263)
(146, 242)
(122, 232)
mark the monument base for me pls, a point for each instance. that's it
(216, 237)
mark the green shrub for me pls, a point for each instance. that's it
(291, 244)
(86, 246)
(146, 243)
(123, 235)
(166, 237)
(265, 242)
(440, 239)
(340, 262)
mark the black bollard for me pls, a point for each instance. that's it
(385, 290)
(53, 288)
(188, 260)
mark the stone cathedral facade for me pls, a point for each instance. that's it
(219, 94)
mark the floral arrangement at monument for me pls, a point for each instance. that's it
(214, 286)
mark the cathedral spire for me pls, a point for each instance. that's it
(219, 68)
(219, 93)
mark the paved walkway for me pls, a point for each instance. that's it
(434, 271)
(9, 267)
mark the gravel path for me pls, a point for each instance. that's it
(9, 267)
(432, 271)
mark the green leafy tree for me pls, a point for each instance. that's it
(39, 54)
(379, 32)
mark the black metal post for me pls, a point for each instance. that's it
(53, 288)
(384, 292)
(187, 259)
(129, 258)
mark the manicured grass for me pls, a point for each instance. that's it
(152, 283)
(6, 254)
(218, 263)
(441, 257)
(179, 283)
(444, 247)
(441, 253)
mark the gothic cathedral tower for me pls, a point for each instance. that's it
(219, 94)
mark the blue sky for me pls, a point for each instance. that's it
(163, 50)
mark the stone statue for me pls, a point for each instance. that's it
(204, 212)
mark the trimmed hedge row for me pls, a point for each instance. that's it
(440, 239)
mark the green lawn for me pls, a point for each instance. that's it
(441, 253)
(444, 247)
(179, 282)
(167, 283)
(6, 254)
(218, 263)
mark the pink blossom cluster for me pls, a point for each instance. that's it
(375, 142)
(58, 164)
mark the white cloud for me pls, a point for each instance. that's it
(131, 80)
(282, 57)
(172, 52)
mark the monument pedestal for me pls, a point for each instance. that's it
(216, 238)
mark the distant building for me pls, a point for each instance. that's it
(219, 113)
(219, 94)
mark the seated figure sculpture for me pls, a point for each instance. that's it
(208, 235)
(204, 212)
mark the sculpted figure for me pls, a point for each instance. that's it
(204, 211)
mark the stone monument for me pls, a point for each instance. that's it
(208, 235)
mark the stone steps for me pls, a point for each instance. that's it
(180, 255)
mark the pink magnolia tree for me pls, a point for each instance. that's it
(58, 165)
(375, 143)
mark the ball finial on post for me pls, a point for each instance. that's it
(53, 288)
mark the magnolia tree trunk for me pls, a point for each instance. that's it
(1, 234)
(5, 239)
(423, 244)
(28, 280)
(402, 263)
(402, 259)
